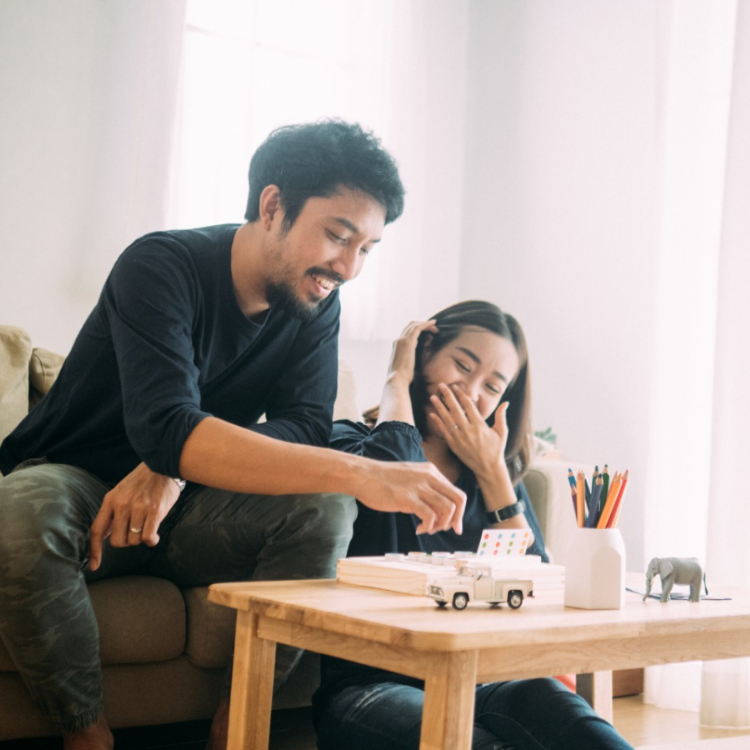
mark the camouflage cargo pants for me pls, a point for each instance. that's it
(46, 619)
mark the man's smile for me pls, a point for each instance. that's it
(327, 282)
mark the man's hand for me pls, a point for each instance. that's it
(132, 512)
(417, 488)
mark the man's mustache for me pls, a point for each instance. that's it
(336, 278)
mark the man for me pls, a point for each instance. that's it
(196, 335)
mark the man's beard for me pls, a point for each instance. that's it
(281, 294)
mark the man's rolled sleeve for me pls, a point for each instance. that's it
(388, 441)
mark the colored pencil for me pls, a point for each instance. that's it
(614, 488)
(573, 494)
(600, 506)
(580, 498)
(594, 504)
(605, 489)
(612, 523)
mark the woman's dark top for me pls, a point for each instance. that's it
(376, 533)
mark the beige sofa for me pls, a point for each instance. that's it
(163, 649)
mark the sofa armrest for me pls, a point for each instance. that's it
(44, 367)
(15, 352)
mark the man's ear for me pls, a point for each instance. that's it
(269, 205)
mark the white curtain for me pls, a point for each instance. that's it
(726, 684)
(89, 93)
(698, 447)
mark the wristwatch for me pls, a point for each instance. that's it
(509, 511)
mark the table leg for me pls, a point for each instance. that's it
(596, 688)
(448, 715)
(252, 687)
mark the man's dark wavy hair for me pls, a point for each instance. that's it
(316, 160)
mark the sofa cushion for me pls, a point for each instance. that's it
(44, 367)
(15, 352)
(141, 620)
(210, 630)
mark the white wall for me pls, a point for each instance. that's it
(75, 78)
(561, 213)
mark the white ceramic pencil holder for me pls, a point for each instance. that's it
(595, 569)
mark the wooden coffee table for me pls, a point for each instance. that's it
(454, 651)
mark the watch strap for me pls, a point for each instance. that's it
(509, 511)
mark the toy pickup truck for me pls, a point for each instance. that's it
(480, 582)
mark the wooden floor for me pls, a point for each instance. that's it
(638, 723)
(642, 724)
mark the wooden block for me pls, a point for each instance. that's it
(448, 713)
(410, 576)
(252, 686)
(596, 689)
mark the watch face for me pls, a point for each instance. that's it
(510, 512)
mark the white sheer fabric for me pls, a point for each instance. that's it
(726, 684)
(89, 96)
(706, 91)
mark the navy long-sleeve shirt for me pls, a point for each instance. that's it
(166, 346)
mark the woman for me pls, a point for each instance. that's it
(457, 394)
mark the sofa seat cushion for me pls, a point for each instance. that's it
(141, 620)
(15, 353)
(210, 630)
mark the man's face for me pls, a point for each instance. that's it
(326, 246)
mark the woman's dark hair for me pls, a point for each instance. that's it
(316, 160)
(450, 322)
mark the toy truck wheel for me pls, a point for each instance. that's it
(460, 601)
(515, 599)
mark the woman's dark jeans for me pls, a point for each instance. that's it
(539, 714)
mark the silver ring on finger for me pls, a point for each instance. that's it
(455, 427)
(136, 530)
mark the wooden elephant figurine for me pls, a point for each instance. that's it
(681, 570)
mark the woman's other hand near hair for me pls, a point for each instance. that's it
(395, 404)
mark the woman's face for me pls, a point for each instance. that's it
(479, 362)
